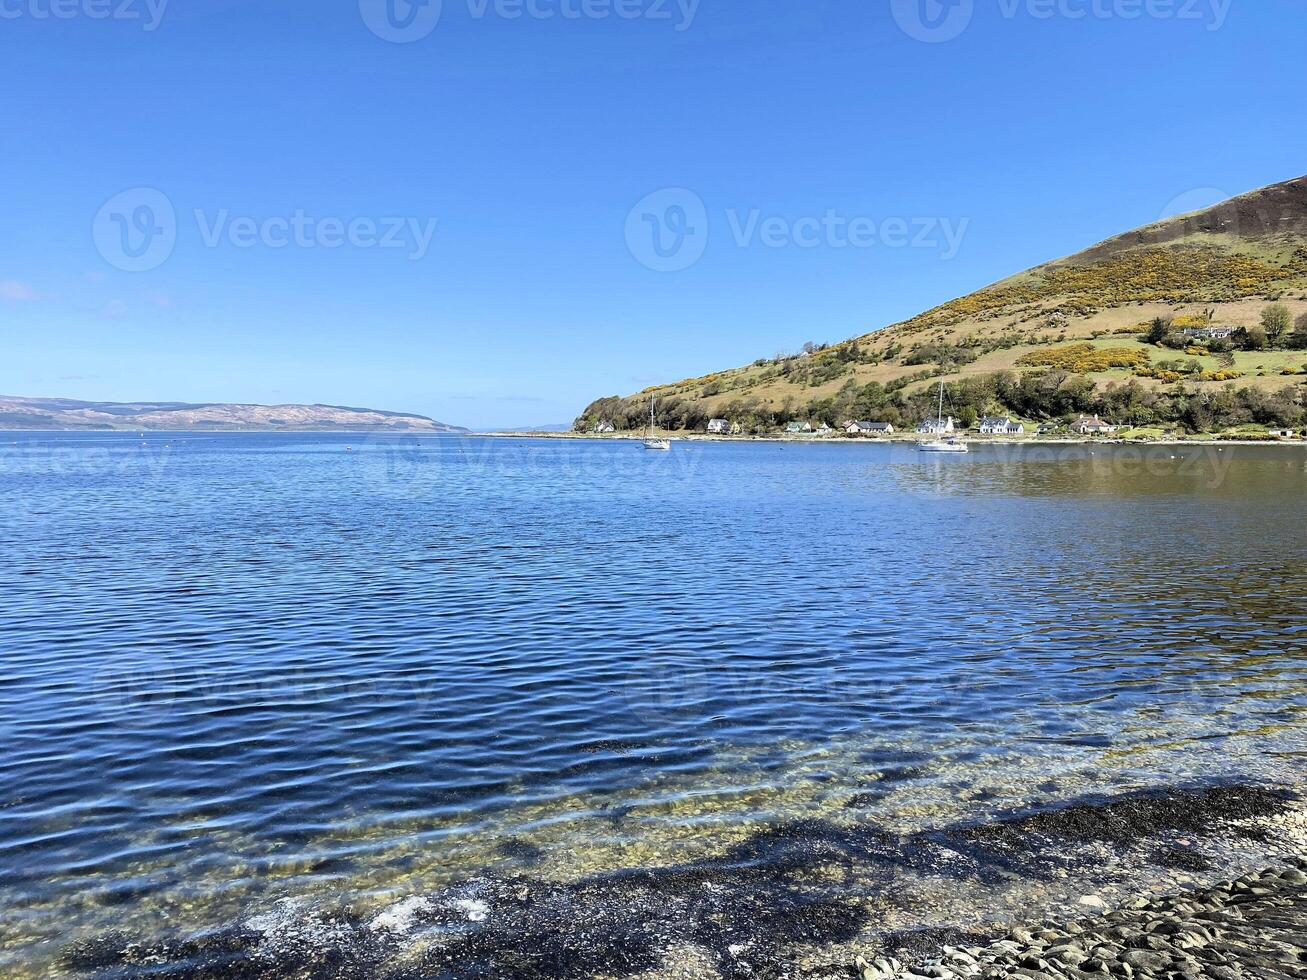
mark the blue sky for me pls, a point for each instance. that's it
(833, 167)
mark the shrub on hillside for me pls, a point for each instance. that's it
(1085, 358)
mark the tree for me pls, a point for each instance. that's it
(1276, 320)
(968, 417)
(1158, 329)
(1298, 339)
(1250, 338)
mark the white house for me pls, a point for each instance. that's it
(861, 428)
(795, 428)
(993, 425)
(1280, 433)
(1091, 425)
(823, 429)
(936, 426)
(719, 427)
(1209, 333)
(604, 427)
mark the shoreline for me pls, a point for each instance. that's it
(912, 440)
(1147, 885)
(894, 440)
(1252, 926)
(832, 440)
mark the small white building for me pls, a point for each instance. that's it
(1280, 433)
(936, 426)
(797, 428)
(604, 427)
(863, 428)
(719, 427)
(1209, 333)
(992, 425)
(823, 430)
(1091, 425)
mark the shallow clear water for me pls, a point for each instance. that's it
(238, 667)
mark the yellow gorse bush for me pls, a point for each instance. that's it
(1175, 274)
(1085, 358)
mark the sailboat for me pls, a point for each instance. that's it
(650, 442)
(940, 444)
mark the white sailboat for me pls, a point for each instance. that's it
(650, 442)
(940, 444)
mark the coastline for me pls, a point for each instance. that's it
(1152, 884)
(904, 440)
(896, 440)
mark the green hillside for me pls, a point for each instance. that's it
(1138, 292)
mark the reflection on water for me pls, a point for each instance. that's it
(243, 667)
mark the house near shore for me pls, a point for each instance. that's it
(1001, 425)
(604, 427)
(1209, 333)
(863, 428)
(936, 426)
(797, 428)
(1091, 425)
(719, 427)
(823, 430)
(1280, 433)
(1046, 428)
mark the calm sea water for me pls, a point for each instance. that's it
(240, 667)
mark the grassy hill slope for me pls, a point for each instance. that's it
(1221, 266)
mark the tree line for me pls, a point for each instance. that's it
(1051, 395)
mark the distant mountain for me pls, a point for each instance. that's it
(1220, 266)
(66, 413)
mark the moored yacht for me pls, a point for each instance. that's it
(940, 444)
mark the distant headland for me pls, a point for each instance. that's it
(66, 413)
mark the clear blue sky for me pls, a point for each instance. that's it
(530, 139)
